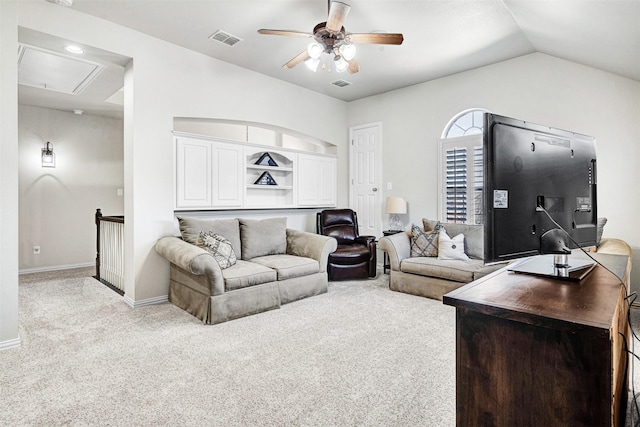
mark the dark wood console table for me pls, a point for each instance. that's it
(533, 351)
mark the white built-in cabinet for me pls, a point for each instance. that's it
(220, 174)
(316, 180)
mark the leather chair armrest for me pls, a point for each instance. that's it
(192, 259)
(365, 240)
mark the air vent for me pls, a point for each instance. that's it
(225, 38)
(341, 83)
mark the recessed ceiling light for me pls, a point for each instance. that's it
(78, 112)
(74, 49)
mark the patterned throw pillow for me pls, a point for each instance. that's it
(219, 247)
(424, 243)
(451, 247)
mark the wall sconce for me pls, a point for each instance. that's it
(395, 206)
(48, 156)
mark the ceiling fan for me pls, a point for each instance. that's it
(331, 37)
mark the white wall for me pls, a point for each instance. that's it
(8, 176)
(58, 204)
(166, 81)
(538, 88)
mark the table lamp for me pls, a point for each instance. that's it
(394, 207)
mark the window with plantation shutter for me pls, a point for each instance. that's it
(461, 178)
(456, 185)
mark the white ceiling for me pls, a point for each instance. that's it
(441, 37)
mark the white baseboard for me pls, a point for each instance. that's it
(6, 345)
(144, 302)
(56, 268)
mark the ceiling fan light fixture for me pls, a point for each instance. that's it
(340, 63)
(348, 51)
(312, 63)
(314, 50)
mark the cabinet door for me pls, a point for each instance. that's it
(316, 181)
(228, 175)
(193, 173)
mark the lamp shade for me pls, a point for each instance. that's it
(396, 205)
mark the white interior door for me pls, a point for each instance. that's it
(365, 175)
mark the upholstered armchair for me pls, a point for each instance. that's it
(355, 257)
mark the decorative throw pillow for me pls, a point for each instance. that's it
(190, 228)
(424, 243)
(263, 237)
(219, 247)
(451, 248)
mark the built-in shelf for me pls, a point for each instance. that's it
(218, 174)
(270, 168)
(270, 187)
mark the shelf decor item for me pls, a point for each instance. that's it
(265, 179)
(266, 160)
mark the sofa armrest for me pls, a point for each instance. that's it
(614, 246)
(397, 246)
(192, 259)
(316, 246)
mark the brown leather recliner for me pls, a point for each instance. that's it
(355, 257)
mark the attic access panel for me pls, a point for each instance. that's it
(53, 71)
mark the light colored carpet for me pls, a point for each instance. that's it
(358, 355)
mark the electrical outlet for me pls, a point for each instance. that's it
(36, 250)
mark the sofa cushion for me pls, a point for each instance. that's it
(473, 235)
(263, 237)
(424, 243)
(244, 274)
(190, 228)
(219, 247)
(455, 270)
(289, 266)
(451, 247)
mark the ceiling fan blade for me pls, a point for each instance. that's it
(375, 38)
(285, 33)
(337, 14)
(298, 59)
(354, 67)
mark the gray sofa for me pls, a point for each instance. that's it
(429, 276)
(274, 266)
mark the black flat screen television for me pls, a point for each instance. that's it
(538, 181)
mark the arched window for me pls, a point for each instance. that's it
(461, 168)
(467, 122)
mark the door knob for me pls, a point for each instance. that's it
(375, 189)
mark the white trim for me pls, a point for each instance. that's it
(56, 268)
(145, 302)
(6, 345)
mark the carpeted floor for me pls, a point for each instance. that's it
(358, 355)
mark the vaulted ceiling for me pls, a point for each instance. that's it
(441, 37)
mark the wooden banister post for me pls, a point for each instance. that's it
(97, 217)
